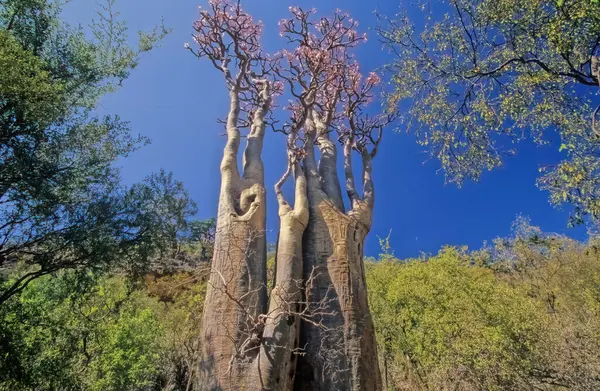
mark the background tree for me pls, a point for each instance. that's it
(561, 274)
(102, 332)
(203, 232)
(79, 333)
(521, 314)
(483, 74)
(445, 324)
(61, 203)
(524, 314)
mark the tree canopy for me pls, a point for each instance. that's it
(484, 74)
(521, 314)
(61, 201)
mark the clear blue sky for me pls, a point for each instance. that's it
(175, 99)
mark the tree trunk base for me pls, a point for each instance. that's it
(341, 351)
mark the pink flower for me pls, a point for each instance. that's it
(277, 88)
(373, 79)
(283, 26)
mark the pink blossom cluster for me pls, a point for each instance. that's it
(373, 79)
(319, 69)
(321, 47)
(277, 88)
(225, 30)
(322, 71)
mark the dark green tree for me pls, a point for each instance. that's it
(61, 201)
(203, 233)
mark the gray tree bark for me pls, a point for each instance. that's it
(236, 293)
(245, 345)
(340, 351)
(315, 331)
(276, 366)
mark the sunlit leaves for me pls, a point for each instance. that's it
(449, 322)
(489, 74)
(61, 203)
(520, 314)
(80, 333)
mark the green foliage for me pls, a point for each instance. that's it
(61, 201)
(85, 332)
(107, 228)
(89, 62)
(73, 333)
(447, 321)
(183, 296)
(202, 233)
(26, 85)
(521, 315)
(271, 259)
(491, 73)
(564, 276)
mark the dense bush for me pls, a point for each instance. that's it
(520, 316)
(101, 334)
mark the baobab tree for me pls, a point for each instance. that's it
(330, 99)
(317, 311)
(236, 295)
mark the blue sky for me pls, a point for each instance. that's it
(175, 99)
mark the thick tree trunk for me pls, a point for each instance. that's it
(342, 354)
(340, 348)
(244, 346)
(236, 294)
(276, 366)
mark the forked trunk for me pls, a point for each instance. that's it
(317, 333)
(236, 297)
(246, 346)
(276, 365)
(340, 348)
(236, 294)
(341, 354)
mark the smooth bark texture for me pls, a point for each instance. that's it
(249, 347)
(328, 170)
(276, 366)
(319, 295)
(340, 349)
(236, 293)
(246, 346)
